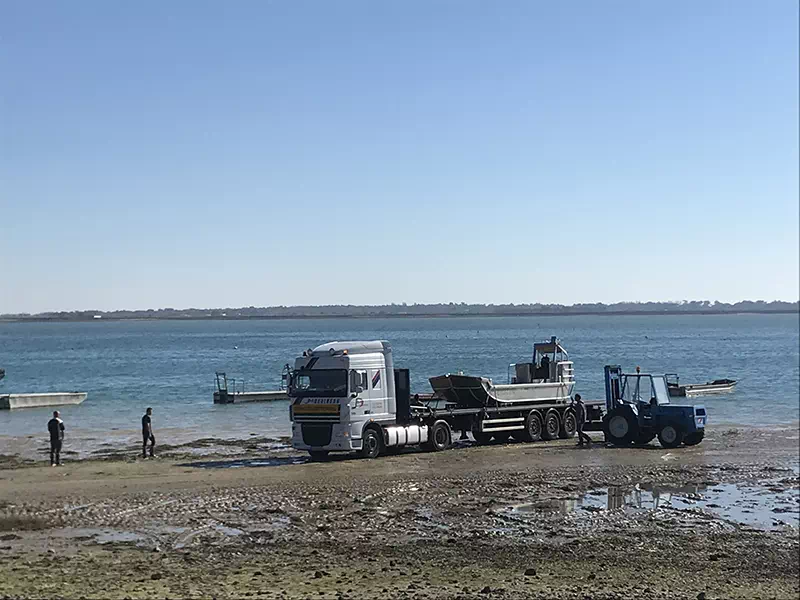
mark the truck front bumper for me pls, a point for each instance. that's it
(333, 437)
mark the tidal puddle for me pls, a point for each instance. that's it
(763, 507)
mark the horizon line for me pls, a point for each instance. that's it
(431, 310)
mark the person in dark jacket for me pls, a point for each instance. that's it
(580, 418)
(55, 427)
(147, 433)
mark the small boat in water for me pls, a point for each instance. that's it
(718, 386)
(12, 401)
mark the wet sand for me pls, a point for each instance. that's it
(544, 520)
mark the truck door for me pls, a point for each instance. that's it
(377, 392)
(360, 404)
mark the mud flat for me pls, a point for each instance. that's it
(719, 520)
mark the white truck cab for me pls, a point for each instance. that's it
(339, 390)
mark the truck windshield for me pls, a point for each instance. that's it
(320, 382)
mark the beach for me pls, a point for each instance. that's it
(542, 520)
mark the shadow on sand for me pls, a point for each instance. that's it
(247, 462)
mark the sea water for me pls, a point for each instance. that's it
(126, 366)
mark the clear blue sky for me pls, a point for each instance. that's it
(185, 153)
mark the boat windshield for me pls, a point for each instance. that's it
(319, 382)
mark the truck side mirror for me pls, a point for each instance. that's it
(356, 382)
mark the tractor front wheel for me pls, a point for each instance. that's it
(670, 436)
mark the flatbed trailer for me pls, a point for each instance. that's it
(503, 422)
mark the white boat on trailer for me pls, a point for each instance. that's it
(548, 379)
(540, 391)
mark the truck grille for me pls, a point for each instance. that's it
(309, 413)
(317, 435)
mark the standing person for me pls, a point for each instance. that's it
(147, 433)
(580, 418)
(545, 368)
(56, 428)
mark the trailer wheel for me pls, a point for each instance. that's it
(318, 455)
(694, 438)
(371, 444)
(620, 427)
(440, 438)
(552, 425)
(533, 428)
(670, 436)
(569, 426)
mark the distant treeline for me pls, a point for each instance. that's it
(418, 310)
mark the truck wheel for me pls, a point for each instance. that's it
(371, 444)
(569, 426)
(694, 438)
(620, 427)
(533, 428)
(440, 436)
(670, 436)
(318, 455)
(552, 425)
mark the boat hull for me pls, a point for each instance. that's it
(244, 397)
(15, 401)
(533, 393)
(705, 388)
(476, 392)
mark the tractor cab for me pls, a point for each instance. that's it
(644, 390)
(638, 409)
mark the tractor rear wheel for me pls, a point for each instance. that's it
(670, 436)
(620, 427)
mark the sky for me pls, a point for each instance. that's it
(214, 154)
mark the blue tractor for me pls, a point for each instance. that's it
(638, 409)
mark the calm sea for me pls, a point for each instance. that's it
(170, 365)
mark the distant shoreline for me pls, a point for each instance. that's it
(617, 313)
